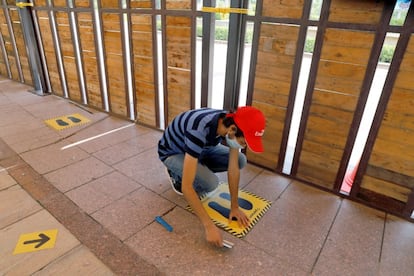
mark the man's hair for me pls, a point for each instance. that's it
(228, 121)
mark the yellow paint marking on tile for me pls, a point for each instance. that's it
(67, 121)
(217, 204)
(36, 241)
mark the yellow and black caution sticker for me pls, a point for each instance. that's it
(36, 241)
(217, 205)
(67, 121)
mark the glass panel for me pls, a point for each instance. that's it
(220, 59)
(400, 12)
(370, 108)
(315, 9)
(246, 63)
(300, 96)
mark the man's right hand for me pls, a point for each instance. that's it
(213, 235)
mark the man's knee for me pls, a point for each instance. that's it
(242, 160)
(205, 183)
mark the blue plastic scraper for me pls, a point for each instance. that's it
(161, 221)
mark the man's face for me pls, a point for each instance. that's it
(237, 134)
(242, 141)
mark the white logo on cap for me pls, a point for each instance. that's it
(259, 133)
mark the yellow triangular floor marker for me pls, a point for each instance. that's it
(67, 121)
(217, 205)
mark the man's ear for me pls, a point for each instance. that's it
(232, 130)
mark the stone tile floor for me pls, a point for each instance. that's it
(101, 185)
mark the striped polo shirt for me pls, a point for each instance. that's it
(190, 132)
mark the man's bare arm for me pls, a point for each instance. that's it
(213, 234)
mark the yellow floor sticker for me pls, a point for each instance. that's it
(217, 205)
(36, 241)
(67, 121)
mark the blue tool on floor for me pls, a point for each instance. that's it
(161, 221)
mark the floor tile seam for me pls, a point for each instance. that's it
(136, 181)
(283, 191)
(383, 237)
(280, 258)
(54, 212)
(84, 183)
(61, 257)
(132, 156)
(106, 205)
(126, 239)
(327, 235)
(113, 170)
(33, 212)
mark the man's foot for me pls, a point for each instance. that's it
(176, 185)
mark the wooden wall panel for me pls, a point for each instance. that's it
(110, 3)
(356, 11)
(82, 3)
(89, 58)
(340, 74)
(178, 44)
(114, 63)
(21, 46)
(143, 4)
(68, 55)
(276, 55)
(3, 64)
(59, 3)
(3, 52)
(39, 3)
(391, 163)
(9, 46)
(144, 68)
(50, 53)
(283, 8)
(178, 4)
(386, 188)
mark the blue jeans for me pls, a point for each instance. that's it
(212, 160)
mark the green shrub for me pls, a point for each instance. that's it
(249, 36)
(199, 31)
(387, 53)
(309, 45)
(222, 34)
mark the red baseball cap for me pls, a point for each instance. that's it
(251, 121)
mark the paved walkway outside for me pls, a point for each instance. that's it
(100, 185)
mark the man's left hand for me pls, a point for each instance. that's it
(241, 217)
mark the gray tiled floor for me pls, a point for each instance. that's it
(118, 181)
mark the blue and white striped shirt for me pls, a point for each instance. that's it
(190, 132)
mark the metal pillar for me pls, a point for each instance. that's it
(32, 48)
(237, 27)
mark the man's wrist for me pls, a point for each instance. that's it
(208, 224)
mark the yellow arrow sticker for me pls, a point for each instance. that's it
(36, 241)
(67, 121)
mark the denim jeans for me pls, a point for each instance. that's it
(212, 160)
